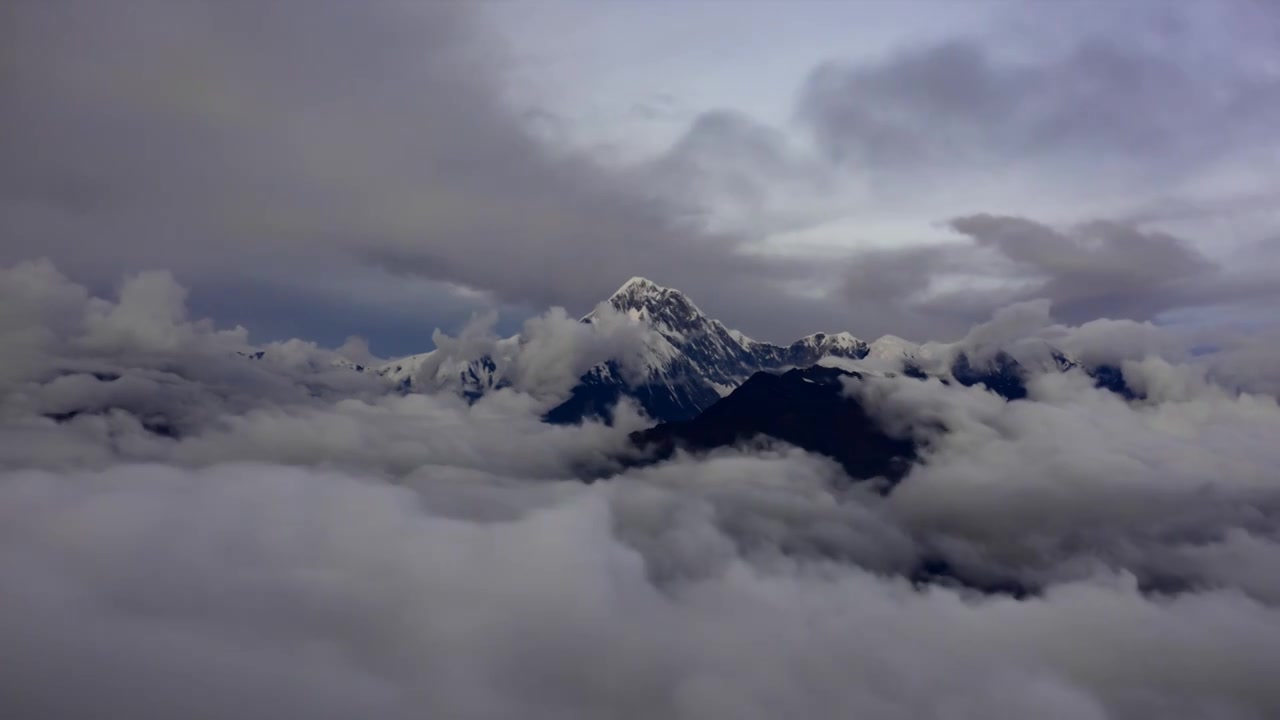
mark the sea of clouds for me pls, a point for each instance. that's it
(187, 530)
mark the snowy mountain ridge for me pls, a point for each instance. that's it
(692, 360)
(688, 360)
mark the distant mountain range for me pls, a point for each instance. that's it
(691, 361)
(705, 385)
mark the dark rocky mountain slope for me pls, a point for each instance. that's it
(806, 408)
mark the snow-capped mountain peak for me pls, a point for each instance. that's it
(841, 343)
(892, 348)
(694, 359)
(637, 286)
(647, 301)
(685, 342)
(689, 360)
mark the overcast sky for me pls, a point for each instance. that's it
(323, 169)
(206, 513)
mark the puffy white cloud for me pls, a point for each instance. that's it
(1247, 363)
(1075, 479)
(189, 529)
(225, 591)
(1006, 327)
(545, 360)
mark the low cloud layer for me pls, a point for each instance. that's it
(197, 523)
(545, 360)
(222, 592)
(190, 529)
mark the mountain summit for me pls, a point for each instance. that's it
(638, 292)
(692, 360)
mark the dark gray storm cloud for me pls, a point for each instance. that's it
(749, 172)
(1097, 269)
(1148, 106)
(361, 165)
(321, 150)
(1138, 140)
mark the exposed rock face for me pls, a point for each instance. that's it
(807, 408)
